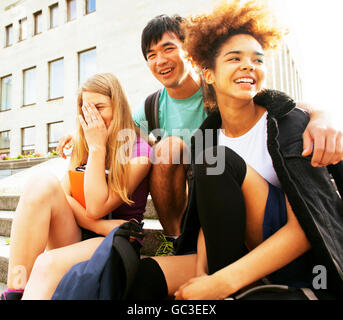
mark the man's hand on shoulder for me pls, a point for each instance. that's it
(66, 142)
(323, 140)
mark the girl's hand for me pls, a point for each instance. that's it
(202, 288)
(94, 127)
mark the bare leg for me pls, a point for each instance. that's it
(177, 270)
(255, 190)
(168, 183)
(52, 265)
(43, 218)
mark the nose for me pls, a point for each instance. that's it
(247, 66)
(161, 59)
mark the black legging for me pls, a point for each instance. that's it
(221, 207)
(221, 212)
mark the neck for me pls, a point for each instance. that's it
(188, 87)
(239, 117)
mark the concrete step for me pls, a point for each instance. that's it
(7, 211)
(150, 243)
(3, 287)
(6, 218)
(10, 202)
(4, 255)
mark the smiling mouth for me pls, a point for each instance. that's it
(245, 80)
(166, 71)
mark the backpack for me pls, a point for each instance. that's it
(109, 273)
(151, 113)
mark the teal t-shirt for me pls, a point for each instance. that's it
(177, 117)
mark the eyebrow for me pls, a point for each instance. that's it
(239, 52)
(165, 44)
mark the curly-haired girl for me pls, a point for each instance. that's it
(267, 214)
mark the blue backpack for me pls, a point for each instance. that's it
(109, 273)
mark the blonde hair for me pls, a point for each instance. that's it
(116, 153)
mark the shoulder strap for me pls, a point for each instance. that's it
(121, 243)
(151, 110)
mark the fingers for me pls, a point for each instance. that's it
(318, 150)
(308, 144)
(64, 143)
(82, 122)
(92, 115)
(327, 148)
(339, 149)
(329, 153)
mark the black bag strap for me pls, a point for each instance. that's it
(151, 113)
(121, 243)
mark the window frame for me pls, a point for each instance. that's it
(1, 82)
(68, 2)
(87, 11)
(51, 8)
(30, 103)
(7, 42)
(79, 63)
(6, 150)
(53, 144)
(25, 148)
(23, 36)
(49, 87)
(35, 16)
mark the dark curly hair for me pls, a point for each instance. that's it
(206, 33)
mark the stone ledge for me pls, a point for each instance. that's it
(23, 163)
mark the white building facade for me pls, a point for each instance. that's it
(49, 47)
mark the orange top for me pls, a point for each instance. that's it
(76, 179)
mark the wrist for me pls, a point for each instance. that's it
(97, 149)
(227, 282)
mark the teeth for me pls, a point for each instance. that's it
(165, 71)
(244, 80)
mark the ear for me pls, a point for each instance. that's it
(209, 76)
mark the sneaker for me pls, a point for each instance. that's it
(166, 247)
(12, 295)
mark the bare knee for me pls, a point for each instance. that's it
(40, 188)
(171, 151)
(44, 267)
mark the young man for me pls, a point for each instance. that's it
(181, 107)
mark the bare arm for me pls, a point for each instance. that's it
(202, 267)
(100, 200)
(99, 226)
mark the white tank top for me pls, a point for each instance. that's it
(252, 147)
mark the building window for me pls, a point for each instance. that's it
(90, 6)
(28, 140)
(56, 77)
(71, 10)
(6, 93)
(22, 29)
(9, 35)
(38, 21)
(29, 86)
(55, 132)
(54, 16)
(4, 142)
(87, 64)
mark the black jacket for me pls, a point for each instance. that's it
(310, 190)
